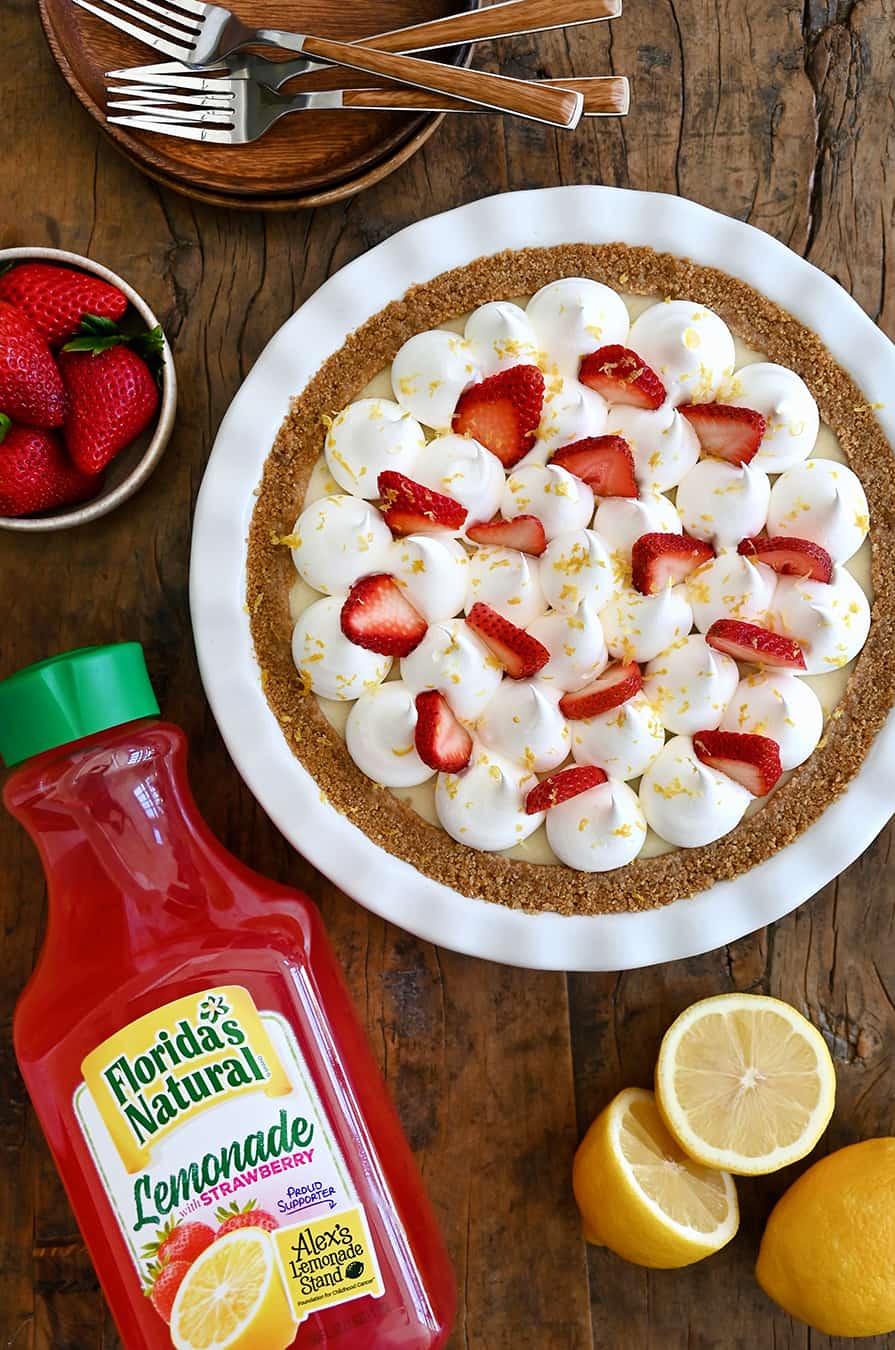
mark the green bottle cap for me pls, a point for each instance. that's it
(73, 695)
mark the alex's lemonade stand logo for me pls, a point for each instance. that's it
(204, 1110)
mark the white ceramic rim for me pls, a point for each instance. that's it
(106, 501)
(288, 793)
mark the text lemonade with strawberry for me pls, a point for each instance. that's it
(227, 1145)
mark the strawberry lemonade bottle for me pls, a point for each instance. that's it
(224, 1136)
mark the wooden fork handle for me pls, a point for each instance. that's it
(604, 96)
(542, 103)
(493, 21)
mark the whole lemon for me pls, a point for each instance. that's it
(828, 1251)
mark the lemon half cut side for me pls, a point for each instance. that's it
(232, 1298)
(641, 1196)
(745, 1083)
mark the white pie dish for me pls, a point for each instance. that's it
(292, 797)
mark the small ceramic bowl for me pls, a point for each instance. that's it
(129, 470)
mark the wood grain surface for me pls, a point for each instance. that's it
(781, 116)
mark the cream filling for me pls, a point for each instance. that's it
(535, 849)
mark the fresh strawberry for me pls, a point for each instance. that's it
(411, 508)
(36, 474)
(562, 786)
(31, 388)
(618, 683)
(790, 557)
(184, 1242)
(113, 390)
(56, 299)
(605, 462)
(518, 652)
(503, 412)
(749, 642)
(753, 761)
(249, 1216)
(726, 432)
(621, 377)
(657, 559)
(166, 1280)
(441, 741)
(526, 533)
(377, 616)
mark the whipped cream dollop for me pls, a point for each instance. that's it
(723, 503)
(561, 501)
(484, 806)
(788, 407)
(576, 569)
(451, 659)
(429, 374)
(501, 335)
(690, 348)
(330, 665)
(338, 539)
(781, 706)
(508, 581)
(379, 735)
(523, 723)
(599, 829)
(571, 412)
(637, 627)
(731, 587)
(824, 501)
(690, 685)
(830, 620)
(573, 317)
(368, 436)
(576, 645)
(433, 572)
(623, 742)
(686, 802)
(466, 471)
(663, 443)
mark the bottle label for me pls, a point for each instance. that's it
(204, 1123)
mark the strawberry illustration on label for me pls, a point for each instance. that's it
(233, 1217)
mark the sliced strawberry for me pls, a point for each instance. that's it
(790, 557)
(411, 508)
(749, 642)
(605, 462)
(441, 741)
(618, 683)
(503, 412)
(518, 652)
(726, 432)
(526, 533)
(657, 559)
(753, 761)
(562, 786)
(377, 616)
(621, 377)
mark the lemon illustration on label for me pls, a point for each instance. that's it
(233, 1298)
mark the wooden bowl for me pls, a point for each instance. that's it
(306, 159)
(129, 470)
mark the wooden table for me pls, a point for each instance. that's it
(781, 116)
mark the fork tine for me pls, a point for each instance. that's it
(222, 117)
(190, 23)
(162, 73)
(168, 93)
(197, 83)
(160, 45)
(146, 100)
(210, 135)
(195, 7)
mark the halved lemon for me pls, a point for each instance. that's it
(232, 1298)
(641, 1196)
(745, 1083)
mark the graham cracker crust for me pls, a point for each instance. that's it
(643, 884)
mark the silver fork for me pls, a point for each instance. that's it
(204, 33)
(510, 18)
(237, 111)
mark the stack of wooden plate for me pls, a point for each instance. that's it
(308, 159)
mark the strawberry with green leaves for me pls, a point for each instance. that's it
(180, 1240)
(162, 1285)
(110, 378)
(36, 474)
(57, 299)
(232, 1217)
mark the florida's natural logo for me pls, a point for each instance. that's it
(176, 1061)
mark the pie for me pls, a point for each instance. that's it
(560, 578)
